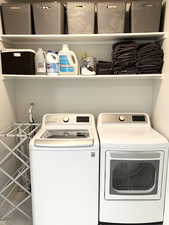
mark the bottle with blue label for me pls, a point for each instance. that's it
(52, 63)
(68, 61)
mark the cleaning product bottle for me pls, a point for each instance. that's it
(52, 63)
(68, 61)
(40, 62)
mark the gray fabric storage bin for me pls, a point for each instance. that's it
(48, 18)
(145, 15)
(81, 17)
(16, 18)
(111, 16)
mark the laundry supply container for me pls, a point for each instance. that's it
(16, 18)
(80, 17)
(48, 17)
(20, 61)
(145, 15)
(111, 16)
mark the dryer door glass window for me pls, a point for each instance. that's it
(134, 177)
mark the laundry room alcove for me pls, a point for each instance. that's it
(83, 94)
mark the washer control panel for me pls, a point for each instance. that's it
(77, 119)
(124, 118)
(69, 119)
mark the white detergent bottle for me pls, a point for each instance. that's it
(52, 63)
(68, 61)
(40, 62)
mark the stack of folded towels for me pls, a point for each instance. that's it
(133, 58)
(124, 58)
(104, 68)
(149, 58)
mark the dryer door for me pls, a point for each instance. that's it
(133, 175)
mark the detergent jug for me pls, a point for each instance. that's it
(68, 61)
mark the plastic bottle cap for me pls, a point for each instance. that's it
(65, 47)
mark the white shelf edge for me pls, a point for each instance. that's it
(81, 35)
(85, 77)
(78, 37)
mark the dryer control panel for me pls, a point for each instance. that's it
(124, 118)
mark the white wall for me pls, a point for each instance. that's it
(51, 96)
(161, 98)
(7, 103)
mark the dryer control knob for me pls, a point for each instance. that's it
(66, 119)
(122, 118)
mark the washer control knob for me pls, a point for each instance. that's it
(66, 119)
(122, 118)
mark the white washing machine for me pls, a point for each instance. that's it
(65, 170)
(133, 170)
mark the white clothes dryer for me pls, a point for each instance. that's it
(133, 169)
(65, 170)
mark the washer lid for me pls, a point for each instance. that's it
(65, 138)
(65, 134)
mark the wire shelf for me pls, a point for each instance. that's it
(14, 148)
